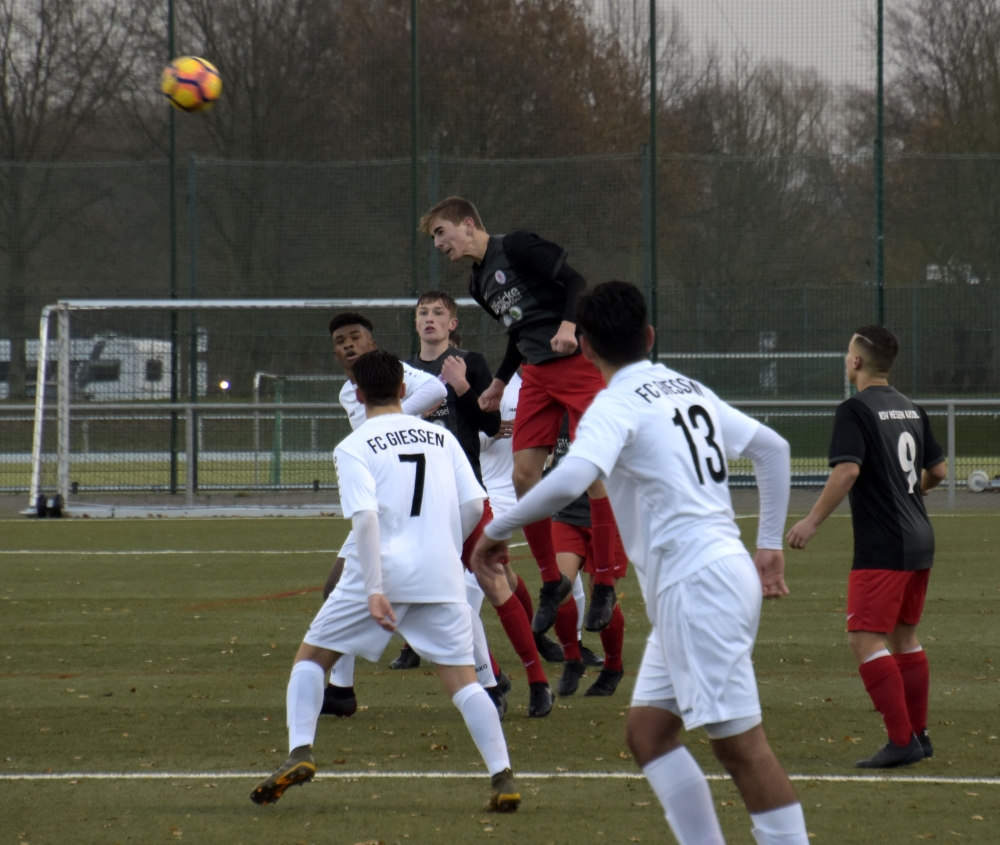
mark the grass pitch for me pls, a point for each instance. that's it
(161, 649)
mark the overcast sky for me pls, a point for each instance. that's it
(832, 36)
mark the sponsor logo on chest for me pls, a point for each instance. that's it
(503, 303)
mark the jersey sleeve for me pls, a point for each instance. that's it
(738, 429)
(355, 481)
(469, 489)
(933, 454)
(847, 445)
(423, 391)
(604, 430)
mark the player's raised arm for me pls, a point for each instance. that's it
(423, 392)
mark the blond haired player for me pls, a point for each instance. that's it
(661, 442)
(413, 499)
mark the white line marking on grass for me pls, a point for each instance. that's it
(172, 552)
(368, 775)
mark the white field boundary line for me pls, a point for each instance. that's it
(126, 553)
(367, 775)
(171, 552)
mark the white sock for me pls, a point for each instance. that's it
(784, 826)
(303, 702)
(580, 597)
(342, 673)
(680, 784)
(883, 653)
(483, 722)
(481, 653)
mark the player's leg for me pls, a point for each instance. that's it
(442, 633)
(911, 659)
(303, 702)
(651, 732)
(493, 582)
(548, 648)
(570, 542)
(536, 431)
(342, 626)
(874, 598)
(766, 790)
(338, 697)
(613, 639)
(605, 544)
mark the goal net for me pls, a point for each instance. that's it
(197, 406)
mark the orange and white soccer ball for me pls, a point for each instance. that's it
(191, 84)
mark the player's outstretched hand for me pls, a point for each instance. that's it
(381, 611)
(564, 340)
(487, 555)
(489, 399)
(770, 565)
(800, 534)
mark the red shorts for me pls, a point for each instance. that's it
(880, 599)
(578, 540)
(548, 391)
(477, 532)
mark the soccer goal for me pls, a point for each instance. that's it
(200, 407)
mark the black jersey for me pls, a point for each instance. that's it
(576, 512)
(891, 439)
(461, 415)
(524, 283)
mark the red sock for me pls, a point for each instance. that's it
(518, 629)
(604, 533)
(494, 666)
(916, 683)
(612, 638)
(566, 630)
(539, 537)
(885, 686)
(524, 597)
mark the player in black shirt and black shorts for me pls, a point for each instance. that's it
(523, 282)
(884, 455)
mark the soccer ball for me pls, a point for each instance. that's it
(191, 84)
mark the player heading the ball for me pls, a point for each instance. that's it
(413, 499)
(523, 282)
(661, 442)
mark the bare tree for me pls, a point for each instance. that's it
(61, 63)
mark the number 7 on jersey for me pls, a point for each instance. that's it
(418, 481)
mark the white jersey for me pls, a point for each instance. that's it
(661, 441)
(423, 392)
(496, 457)
(414, 475)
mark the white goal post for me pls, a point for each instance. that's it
(72, 400)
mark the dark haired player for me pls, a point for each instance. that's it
(467, 375)
(661, 442)
(524, 282)
(353, 335)
(884, 456)
(413, 498)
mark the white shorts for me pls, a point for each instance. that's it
(697, 662)
(440, 633)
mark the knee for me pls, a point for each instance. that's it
(650, 735)
(524, 478)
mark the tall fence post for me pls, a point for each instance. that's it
(952, 470)
(192, 210)
(879, 171)
(65, 394)
(647, 229)
(189, 456)
(433, 184)
(654, 305)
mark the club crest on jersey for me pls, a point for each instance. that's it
(500, 277)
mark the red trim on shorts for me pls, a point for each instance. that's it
(880, 599)
(548, 391)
